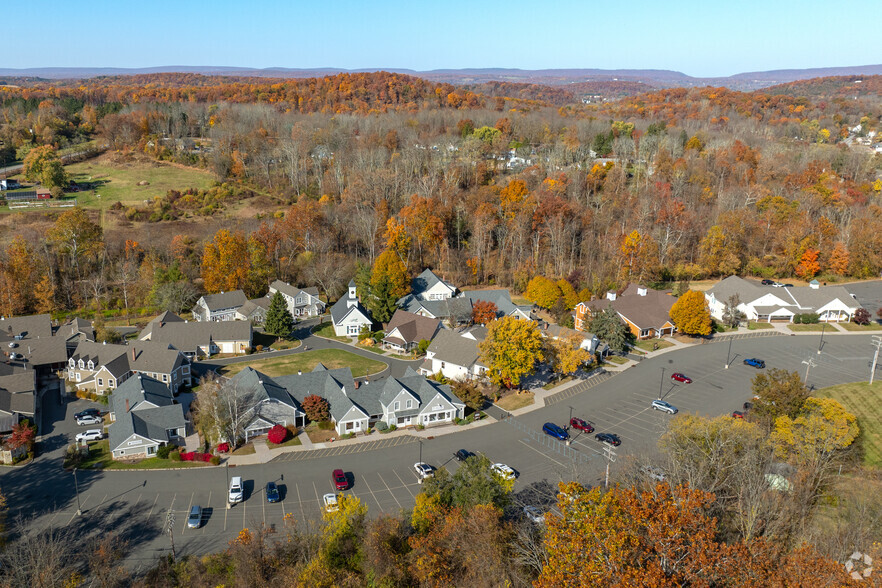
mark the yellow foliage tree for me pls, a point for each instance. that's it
(511, 350)
(566, 355)
(691, 314)
(542, 292)
(822, 427)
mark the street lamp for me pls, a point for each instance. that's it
(661, 383)
(821, 342)
(421, 450)
(77, 487)
(571, 416)
(729, 353)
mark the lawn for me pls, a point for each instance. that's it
(268, 341)
(317, 435)
(289, 443)
(805, 328)
(556, 383)
(753, 326)
(247, 449)
(856, 327)
(615, 359)
(514, 401)
(306, 361)
(372, 349)
(653, 344)
(865, 402)
(120, 182)
(100, 458)
(327, 331)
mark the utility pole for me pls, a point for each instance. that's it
(809, 363)
(729, 353)
(170, 527)
(877, 343)
(610, 455)
(77, 487)
(821, 343)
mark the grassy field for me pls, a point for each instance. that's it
(100, 458)
(327, 331)
(856, 327)
(653, 344)
(306, 361)
(865, 402)
(515, 401)
(120, 182)
(805, 328)
(615, 359)
(759, 326)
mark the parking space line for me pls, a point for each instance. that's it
(226, 512)
(317, 499)
(390, 491)
(403, 483)
(540, 453)
(188, 512)
(300, 501)
(368, 486)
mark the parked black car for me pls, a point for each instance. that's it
(88, 412)
(767, 282)
(609, 439)
(463, 454)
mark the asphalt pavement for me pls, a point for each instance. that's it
(135, 504)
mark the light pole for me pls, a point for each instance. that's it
(227, 470)
(877, 343)
(809, 363)
(421, 449)
(571, 416)
(661, 383)
(729, 353)
(77, 487)
(821, 342)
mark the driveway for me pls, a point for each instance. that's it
(134, 504)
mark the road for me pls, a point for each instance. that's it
(134, 504)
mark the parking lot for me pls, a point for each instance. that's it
(135, 504)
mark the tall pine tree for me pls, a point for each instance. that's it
(278, 320)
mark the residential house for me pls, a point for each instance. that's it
(348, 314)
(199, 339)
(428, 286)
(7, 184)
(219, 307)
(502, 300)
(76, 330)
(145, 417)
(18, 393)
(254, 310)
(32, 326)
(102, 367)
(302, 302)
(778, 304)
(587, 341)
(455, 354)
(406, 329)
(354, 406)
(645, 311)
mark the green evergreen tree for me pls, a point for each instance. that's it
(609, 327)
(278, 320)
(382, 302)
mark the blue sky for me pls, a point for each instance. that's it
(699, 38)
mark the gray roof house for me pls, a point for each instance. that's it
(348, 314)
(406, 329)
(458, 310)
(145, 417)
(100, 367)
(455, 354)
(428, 286)
(301, 301)
(32, 326)
(199, 339)
(18, 393)
(778, 304)
(254, 310)
(354, 406)
(219, 307)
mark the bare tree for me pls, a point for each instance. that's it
(223, 408)
(40, 558)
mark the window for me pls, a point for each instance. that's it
(78, 376)
(82, 365)
(409, 403)
(165, 377)
(443, 365)
(111, 384)
(151, 450)
(186, 370)
(91, 365)
(397, 405)
(349, 426)
(100, 381)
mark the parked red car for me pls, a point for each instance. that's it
(682, 378)
(340, 481)
(581, 425)
(737, 415)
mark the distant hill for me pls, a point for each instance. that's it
(830, 87)
(475, 76)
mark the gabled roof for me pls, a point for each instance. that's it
(137, 417)
(453, 348)
(143, 356)
(648, 311)
(251, 306)
(801, 299)
(426, 281)
(77, 328)
(293, 291)
(223, 300)
(32, 326)
(459, 309)
(413, 328)
(187, 336)
(501, 298)
(342, 308)
(44, 350)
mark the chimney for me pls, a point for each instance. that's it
(299, 373)
(161, 323)
(641, 291)
(546, 326)
(610, 295)
(104, 342)
(127, 405)
(357, 384)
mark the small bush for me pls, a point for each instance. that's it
(347, 436)
(420, 427)
(277, 434)
(392, 427)
(163, 452)
(215, 460)
(325, 425)
(223, 447)
(175, 455)
(381, 426)
(368, 431)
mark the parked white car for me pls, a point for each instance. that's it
(423, 471)
(664, 406)
(330, 501)
(194, 520)
(534, 514)
(237, 490)
(90, 435)
(89, 420)
(503, 471)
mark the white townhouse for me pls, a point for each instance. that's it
(455, 354)
(348, 315)
(219, 307)
(301, 301)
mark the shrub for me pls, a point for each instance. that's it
(175, 455)
(347, 436)
(215, 460)
(316, 408)
(392, 427)
(420, 427)
(381, 426)
(325, 425)
(862, 316)
(810, 318)
(277, 434)
(223, 447)
(163, 452)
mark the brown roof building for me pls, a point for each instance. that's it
(645, 311)
(406, 329)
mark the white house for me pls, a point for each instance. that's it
(456, 354)
(348, 315)
(301, 301)
(219, 307)
(778, 304)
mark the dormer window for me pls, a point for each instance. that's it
(91, 365)
(72, 363)
(82, 364)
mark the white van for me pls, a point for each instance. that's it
(237, 492)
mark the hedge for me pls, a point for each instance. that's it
(195, 456)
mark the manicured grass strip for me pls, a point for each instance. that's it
(865, 402)
(327, 331)
(856, 327)
(101, 458)
(759, 326)
(515, 401)
(805, 328)
(305, 362)
(653, 344)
